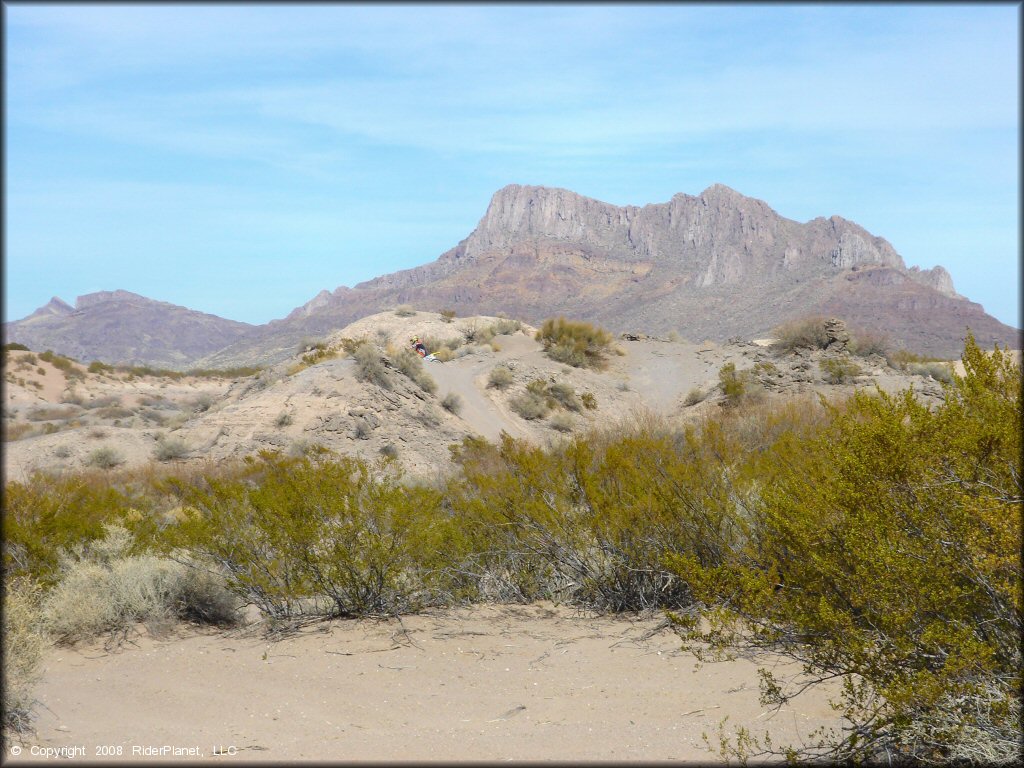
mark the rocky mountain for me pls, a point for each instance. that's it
(123, 327)
(714, 266)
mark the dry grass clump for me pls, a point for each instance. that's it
(803, 333)
(529, 405)
(575, 343)
(452, 403)
(24, 641)
(411, 365)
(500, 377)
(404, 310)
(51, 413)
(562, 422)
(103, 588)
(18, 431)
(694, 396)
(105, 457)
(865, 342)
(447, 315)
(170, 448)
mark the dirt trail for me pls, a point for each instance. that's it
(483, 683)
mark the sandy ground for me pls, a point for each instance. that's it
(488, 683)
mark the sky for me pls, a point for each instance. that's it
(239, 158)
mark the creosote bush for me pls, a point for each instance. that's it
(575, 343)
(883, 550)
(105, 457)
(24, 641)
(411, 365)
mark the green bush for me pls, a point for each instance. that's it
(735, 384)
(885, 552)
(575, 343)
(839, 370)
(14, 346)
(332, 536)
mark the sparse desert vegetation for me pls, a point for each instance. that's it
(575, 342)
(718, 520)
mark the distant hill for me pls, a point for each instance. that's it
(123, 327)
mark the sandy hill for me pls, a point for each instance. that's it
(64, 418)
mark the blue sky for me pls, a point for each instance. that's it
(237, 159)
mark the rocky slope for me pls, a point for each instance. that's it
(119, 327)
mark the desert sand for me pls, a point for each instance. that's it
(489, 682)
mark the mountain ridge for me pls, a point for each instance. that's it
(709, 266)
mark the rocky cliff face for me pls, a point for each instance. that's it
(123, 327)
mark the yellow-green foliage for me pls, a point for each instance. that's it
(575, 343)
(329, 531)
(886, 552)
(738, 386)
(839, 370)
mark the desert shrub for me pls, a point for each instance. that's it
(284, 419)
(885, 552)
(937, 370)
(804, 333)
(575, 343)
(452, 403)
(562, 422)
(363, 428)
(404, 310)
(733, 383)
(104, 588)
(447, 315)
(336, 535)
(389, 451)
(589, 401)
(529, 405)
(504, 326)
(105, 457)
(96, 433)
(865, 342)
(97, 367)
(62, 451)
(57, 361)
(170, 448)
(411, 365)
(369, 366)
(102, 402)
(349, 346)
(565, 395)
(477, 333)
(500, 377)
(900, 359)
(839, 370)
(24, 642)
(435, 343)
(694, 396)
(14, 346)
(51, 413)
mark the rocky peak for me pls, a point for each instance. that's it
(54, 307)
(936, 277)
